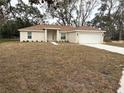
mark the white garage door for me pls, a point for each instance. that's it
(90, 37)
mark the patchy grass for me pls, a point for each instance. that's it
(67, 68)
(8, 40)
(116, 44)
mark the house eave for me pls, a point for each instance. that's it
(52, 28)
(99, 31)
(66, 31)
(24, 30)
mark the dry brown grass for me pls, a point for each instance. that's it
(67, 68)
(8, 40)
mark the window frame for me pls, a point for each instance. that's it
(29, 35)
(63, 36)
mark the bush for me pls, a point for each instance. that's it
(27, 41)
(67, 41)
(107, 39)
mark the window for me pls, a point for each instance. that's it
(29, 35)
(63, 36)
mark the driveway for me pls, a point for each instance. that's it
(110, 48)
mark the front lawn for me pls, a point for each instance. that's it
(66, 68)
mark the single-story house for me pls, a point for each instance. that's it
(49, 33)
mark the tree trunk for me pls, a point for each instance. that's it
(120, 35)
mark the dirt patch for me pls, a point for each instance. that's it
(119, 44)
(67, 68)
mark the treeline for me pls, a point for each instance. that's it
(10, 28)
(109, 15)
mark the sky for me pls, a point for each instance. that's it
(13, 2)
(51, 20)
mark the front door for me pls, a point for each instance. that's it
(53, 36)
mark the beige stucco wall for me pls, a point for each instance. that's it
(72, 37)
(23, 36)
(36, 36)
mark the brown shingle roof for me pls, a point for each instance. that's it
(61, 28)
(66, 28)
(41, 27)
(86, 28)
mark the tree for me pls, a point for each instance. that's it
(4, 10)
(84, 10)
(74, 12)
(110, 18)
(14, 17)
(120, 18)
(49, 2)
(27, 12)
(63, 12)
